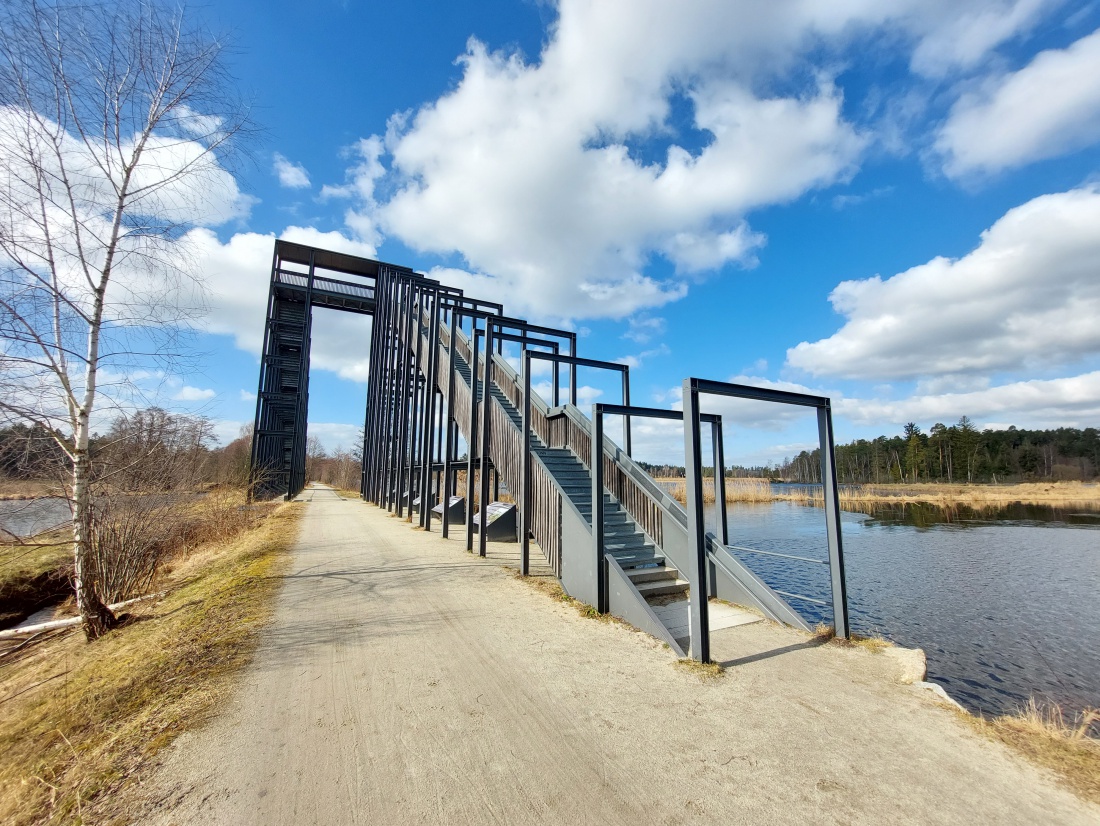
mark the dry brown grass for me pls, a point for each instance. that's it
(876, 645)
(737, 490)
(80, 719)
(1067, 746)
(977, 497)
(29, 489)
(873, 644)
(865, 498)
(706, 672)
(550, 586)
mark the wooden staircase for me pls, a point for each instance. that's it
(650, 573)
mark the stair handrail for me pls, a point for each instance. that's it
(660, 497)
(642, 480)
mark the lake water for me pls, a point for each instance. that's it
(1005, 608)
(26, 517)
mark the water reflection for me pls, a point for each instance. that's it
(27, 517)
(924, 515)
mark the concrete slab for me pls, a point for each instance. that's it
(722, 615)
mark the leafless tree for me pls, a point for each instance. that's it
(315, 454)
(115, 121)
(154, 450)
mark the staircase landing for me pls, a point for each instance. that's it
(674, 616)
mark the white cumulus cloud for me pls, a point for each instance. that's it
(1048, 108)
(563, 181)
(1073, 401)
(335, 436)
(291, 175)
(1027, 296)
(187, 393)
(236, 276)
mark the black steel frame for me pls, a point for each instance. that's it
(693, 389)
(410, 438)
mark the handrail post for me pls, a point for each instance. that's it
(429, 416)
(832, 521)
(719, 499)
(597, 508)
(698, 616)
(403, 410)
(720, 475)
(487, 383)
(626, 403)
(394, 418)
(450, 415)
(573, 370)
(525, 472)
(473, 443)
(415, 435)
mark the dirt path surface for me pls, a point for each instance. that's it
(404, 681)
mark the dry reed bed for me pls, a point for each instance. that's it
(29, 489)
(737, 490)
(1068, 745)
(1062, 495)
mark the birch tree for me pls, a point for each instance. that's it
(115, 122)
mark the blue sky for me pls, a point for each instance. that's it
(895, 204)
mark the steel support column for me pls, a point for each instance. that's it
(698, 608)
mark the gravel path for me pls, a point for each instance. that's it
(404, 681)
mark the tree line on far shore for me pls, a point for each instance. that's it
(154, 450)
(957, 453)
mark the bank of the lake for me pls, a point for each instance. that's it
(866, 498)
(82, 720)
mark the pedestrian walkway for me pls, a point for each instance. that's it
(405, 681)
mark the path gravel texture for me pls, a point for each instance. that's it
(404, 681)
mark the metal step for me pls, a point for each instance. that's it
(639, 546)
(662, 574)
(662, 588)
(630, 560)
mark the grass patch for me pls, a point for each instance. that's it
(80, 719)
(706, 672)
(1066, 745)
(874, 644)
(552, 588)
(29, 488)
(826, 633)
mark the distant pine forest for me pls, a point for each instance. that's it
(958, 453)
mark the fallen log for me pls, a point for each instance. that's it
(68, 621)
